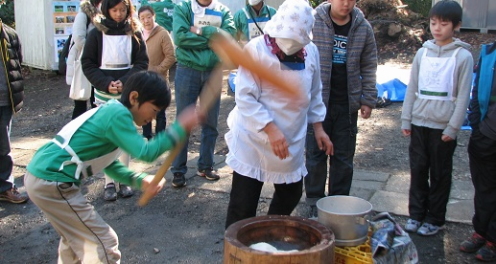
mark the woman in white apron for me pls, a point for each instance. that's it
(267, 132)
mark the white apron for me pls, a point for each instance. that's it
(116, 52)
(436, 77)
(89, 167)
(116, 55)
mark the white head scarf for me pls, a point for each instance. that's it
(254, 2)
(293, 20)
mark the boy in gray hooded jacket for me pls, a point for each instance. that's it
(348, 73)
(433, 111)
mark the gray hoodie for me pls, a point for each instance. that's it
(438, 114)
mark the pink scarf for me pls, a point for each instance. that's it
(146, 33)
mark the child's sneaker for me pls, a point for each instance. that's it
(429, 229)
(179, 180)
(412, 225)
(125, 191)
(473, 243)
(487, 252)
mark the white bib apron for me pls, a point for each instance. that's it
(116, 52)
(89, 167)
(436, 77)
(116, 55)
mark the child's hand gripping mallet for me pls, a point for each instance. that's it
(208, 96)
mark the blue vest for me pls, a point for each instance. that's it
(486, 73)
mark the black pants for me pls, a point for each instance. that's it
(341, 126)
(6, 162)
(81, 106)
(482, 157)
(245, 193)
(431, 164)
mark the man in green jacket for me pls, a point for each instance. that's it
(195, 22)
(164, 9)
(250, 20)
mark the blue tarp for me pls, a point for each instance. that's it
(394, 90)
(230, 81)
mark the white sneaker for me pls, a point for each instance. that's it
(429, 229)
(412, 225)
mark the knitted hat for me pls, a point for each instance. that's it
(293, 20)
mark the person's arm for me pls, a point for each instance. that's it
(248, 95)
(474, 116)
(248, 92)
(368, 70)
(317, 110)
(120, 131)
(168, 51)
(183, 37)
(464, 85)
(79, 30)
(322, 139)
(239, 22)
(139, 57)
(142, 181)
(228, 23)
(121, 173)
(19, 49)
(90, 62)
(410, 95)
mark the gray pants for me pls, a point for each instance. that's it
(90, 240)
(6, 163)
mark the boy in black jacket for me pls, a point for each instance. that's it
(11, 97)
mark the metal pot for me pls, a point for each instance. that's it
(347, 217)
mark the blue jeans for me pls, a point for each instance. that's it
(188, 85)
(6, 162)
(341, 126)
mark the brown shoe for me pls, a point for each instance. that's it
(13, 196)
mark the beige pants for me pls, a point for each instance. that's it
(90, 240)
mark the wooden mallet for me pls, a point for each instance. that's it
(231, 54)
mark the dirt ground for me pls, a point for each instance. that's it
(188, 219)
